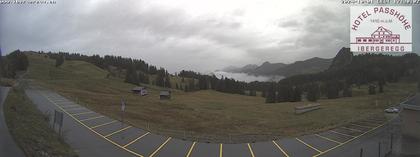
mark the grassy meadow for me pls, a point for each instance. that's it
(30, 128)
(205, 112)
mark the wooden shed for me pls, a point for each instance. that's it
(140, 90)
(165, 95)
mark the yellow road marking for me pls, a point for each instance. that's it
(341, 133)
(81, 123)
(352, 129)
(349, 140)
(281, 149)
(91, 118)
(308, 145)
(103, 124)
(250, 150)
(360, 125)
(136, 139)
(191, 148)
(160, 147)
(76, 114)
(221, 150)
(328, 139)
(118, 131)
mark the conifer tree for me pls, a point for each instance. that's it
(271, 94)
(59, 60)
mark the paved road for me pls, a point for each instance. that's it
(385, 140)
(8, 146)
(93, 134)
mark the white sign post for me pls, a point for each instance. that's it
(122, 111)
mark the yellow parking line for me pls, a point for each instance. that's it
(308, 145)
(70, 106)
(91, 118)
(136, 139)
(352, 129)
(328, 139)
(349, 140)
(367, 123)
(76, 114)
(81, 123)
(373, 121)
(118, 131)
(74, 108)
(221, 150)
(281, 149)
(191, 148)
(341, 133)
(160, 147)
(103, 124)
(250, 150)
(60, 100)
(360, 125)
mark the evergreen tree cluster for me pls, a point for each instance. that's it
(136, 70)
(59, 61)
(283, 92)
(162, 78)
(226, 85)
(373, 70)
(13, 62)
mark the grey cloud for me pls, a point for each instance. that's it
(160, 35)
(170, 37)
(320, 32)
(291, 23)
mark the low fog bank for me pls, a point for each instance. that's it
(246, 77)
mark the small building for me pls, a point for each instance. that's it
(140, 90)
(165, 95)
(410, 116)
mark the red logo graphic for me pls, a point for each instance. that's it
(380, 36)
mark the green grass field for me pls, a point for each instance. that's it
(30, 129)
(205, 112)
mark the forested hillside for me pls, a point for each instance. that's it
(12, 63)
(347, 71)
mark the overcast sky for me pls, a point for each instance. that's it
(184, 34)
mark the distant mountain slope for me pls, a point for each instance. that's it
(343, 58)
(268, 68)
(244, 69)
(312, 65)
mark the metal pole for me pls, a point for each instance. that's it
(379, 149)
(392, 138)
(122, 118)
(59, 133)
(55, 114)
(361, 152)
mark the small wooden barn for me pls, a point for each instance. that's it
(140, 90)
(165, 95)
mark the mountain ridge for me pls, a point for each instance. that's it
(311, 65)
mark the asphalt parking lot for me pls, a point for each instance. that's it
(139, 142)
